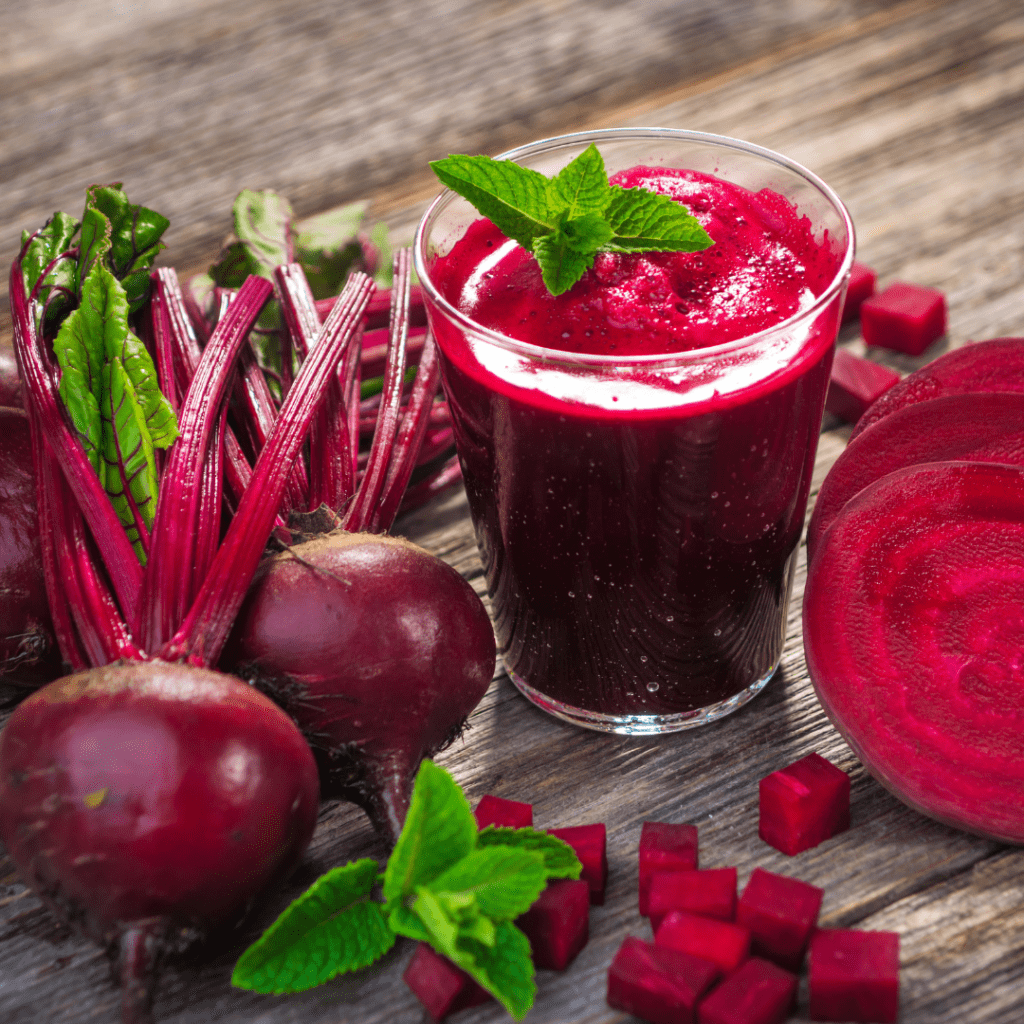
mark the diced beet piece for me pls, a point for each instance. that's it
(904, 317)
(664, 847)
(710, 893)
(856, 383)
(439, 985)
(493, 810)
(781, 914)
(590, 844)
(854, 976)
(725, 944)
(656, 983)
(758, 993)
(558, 923)
(861, 287)
(804, 804)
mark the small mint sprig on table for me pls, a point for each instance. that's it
(445, 883)
(566, 220)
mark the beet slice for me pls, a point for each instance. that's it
(919, 664)
(781, 914)
(590, 844)
(961, 428)
(758, 993)
(996, 365)
(855, 383)
(804, 804)
(664, 847)
(709, 893)
(558, 923)
(861, 287)
(725, 944)
(904, 317)
(493, 810)
(656, 983)
(439, 985)
(854, 976)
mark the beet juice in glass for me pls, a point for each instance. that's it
(637, 452)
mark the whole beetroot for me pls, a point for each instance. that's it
(379, 651)
(146, 802)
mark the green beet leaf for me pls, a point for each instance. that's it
(57, 294)
(263, 238)
(504, 881)
(332, 928)
(94, 244)
(560, 860)
(328, 248)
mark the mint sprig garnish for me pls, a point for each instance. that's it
(566, 220)
(445, 883)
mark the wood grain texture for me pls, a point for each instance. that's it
(913, 111)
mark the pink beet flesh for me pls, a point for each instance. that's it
(804, 804)
(493, 810)
(855, 383)
(758, 993)
(664, 847)
(656, 983)
(861, 287)
(590, 844)
(558, 923)
(709, 893)
(724, 944)
(904, 317)
(854, 976)
(781, 914)
(439, 985)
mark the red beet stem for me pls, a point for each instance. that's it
(170, 582)
(419, 494)
(206, 626)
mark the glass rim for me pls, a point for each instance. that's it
(580, 359)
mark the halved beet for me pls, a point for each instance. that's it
(962, 428)
(914, 633)
(996, 365)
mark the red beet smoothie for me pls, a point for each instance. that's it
(637, 524)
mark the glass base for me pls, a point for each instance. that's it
(641, 725)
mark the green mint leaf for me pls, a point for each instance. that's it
(645, 221)
(332, 928)
(513, 198)
(561, 265)
(135, 238)
(503, 880)
(403, 921)
(58, 292)
(581, 187)
(560, 860)
(450, 918)
(439, 830)
(588, 233)
(504, 969)
(328, 248)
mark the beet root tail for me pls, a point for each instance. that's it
(138, 955)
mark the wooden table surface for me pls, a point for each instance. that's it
(913, 111)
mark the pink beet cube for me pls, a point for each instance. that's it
(904, 317)
(656, 983)
(855, 383)
(861, 287)
(493, 810)
(725, 944)
(854, 976)
(664, 847)
(710, 893)
(804, 804)
(781, 914)
(558, 923)
(439, 985)
(758, 993)
(590, 844)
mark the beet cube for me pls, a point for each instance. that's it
(905, 317)
(855, 383)
(493, 810)
(664, 847)
(710, 893)
(861, 287)
(854, 976)
(804, 804)
(781, 914)
(724, 944)
(589, 842)
(656, 983)
(558, 923)
(758, 993)
(439, 985)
